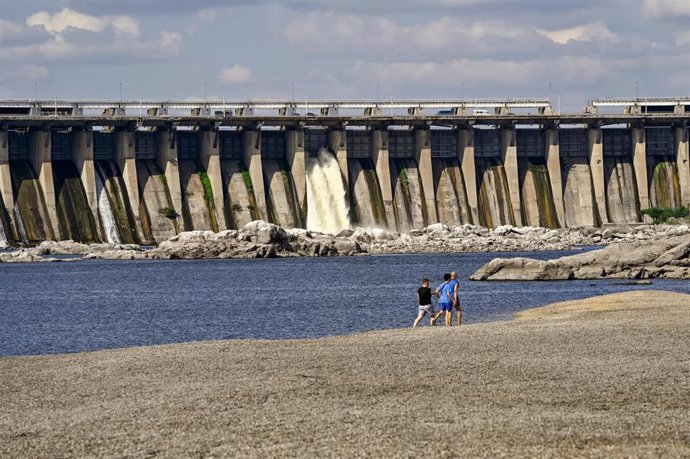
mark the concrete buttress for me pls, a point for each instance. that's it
(596, 167)
(469, 170)
(422, 139)
(337, 142)
(126, 161)
(167, 160)
(209, 155)
(40, 158)
(553, 164)
(683, 161)
(510, 163)
(252, 161)
(297, 162)
(83, 160)
(640, 166)
(379, 146)
(6, 194)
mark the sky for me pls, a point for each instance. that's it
(571, 51)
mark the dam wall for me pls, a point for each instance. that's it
(146, 185)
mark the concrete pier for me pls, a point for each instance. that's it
(596, 166)
(553, 165)
(337, 142)
(126, 161)
(683, 162)
(209, 156)
(252, 161)
(6, 195)
(640, 166)
(167, 160)
(422, 139)
(40, 159)
(469, 170)
(83, 160)
(297, 162)
(379, 146)
(510, 163)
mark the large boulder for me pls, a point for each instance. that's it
(263, 232)
(517, 269)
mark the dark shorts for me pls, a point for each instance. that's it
(445, 306)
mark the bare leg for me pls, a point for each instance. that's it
(459, 315)
(437, 316)
(449, 318)
(416, 321)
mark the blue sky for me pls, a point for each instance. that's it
(241, 49)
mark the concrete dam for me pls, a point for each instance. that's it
(119, 178)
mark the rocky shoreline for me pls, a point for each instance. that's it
(259, 239)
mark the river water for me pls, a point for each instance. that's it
(90, 305)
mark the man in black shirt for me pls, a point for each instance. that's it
(424, 302)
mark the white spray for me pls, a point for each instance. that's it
(3, 237)
(327, 209)
(106, 213)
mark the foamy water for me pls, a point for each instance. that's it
(327, 208)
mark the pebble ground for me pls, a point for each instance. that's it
(604, 377)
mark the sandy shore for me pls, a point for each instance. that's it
(609, 376)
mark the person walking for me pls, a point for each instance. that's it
(444, 301)
(454, 294)
(425, 306)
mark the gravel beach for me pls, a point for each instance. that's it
(603, 377)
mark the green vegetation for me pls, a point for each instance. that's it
(208, 190)
(164, 179)
(662, 215)
(248, 181)
(402, 176)
(169, 212)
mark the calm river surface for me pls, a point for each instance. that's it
(89, 305)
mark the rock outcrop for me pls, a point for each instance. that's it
(256, 239)
(664, 257)
(439, 238)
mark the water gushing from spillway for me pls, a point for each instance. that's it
(105, 211)
(3, 237)
(327, 208)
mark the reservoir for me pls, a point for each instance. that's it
(90, 305)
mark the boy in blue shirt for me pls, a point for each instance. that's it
(445, 302)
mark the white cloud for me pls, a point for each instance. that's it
(46, 39)
(667, 8)
(328, 31)
(566, 70)
(596, 31)
(236, 74)
(67, 19)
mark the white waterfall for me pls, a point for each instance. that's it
(327, 209)
(106, 213)
(3, 237)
